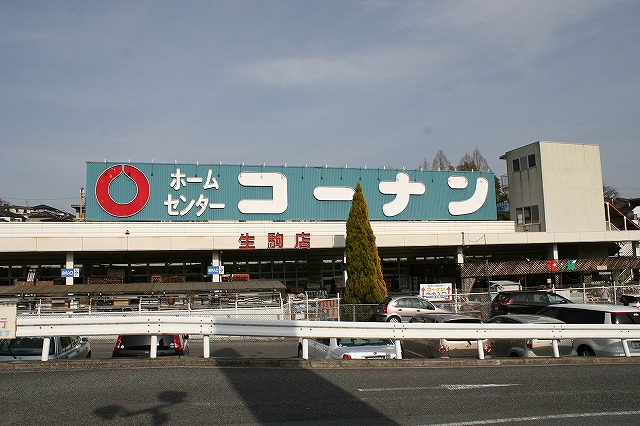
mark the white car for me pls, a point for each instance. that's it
(577, 313)
(350, 348)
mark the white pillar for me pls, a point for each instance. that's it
(344, 266)
(215, 261)
(46, 344)
(480, 348)
(153, 352)
(205, 346)
(69, 265)
(398, 346)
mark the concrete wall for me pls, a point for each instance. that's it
(566, 184)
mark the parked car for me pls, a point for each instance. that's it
(444, 348)
(578, 313)
(528, 348)
(632, 300)
(30, 348)
(139, 345)
(524, 301)
(403, 308)
(350, 348)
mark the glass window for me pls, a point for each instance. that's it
(540, 298)
(526, 213)
(424, 304)
(523, 163)
(535, 214)
(593, 317)
(519, 297)
(554, 298)
(516, 165)
(65, 343)
(625, 318)
(550, 312)
(27, 346)
(405, 303)
(532, 160)
(570, 316)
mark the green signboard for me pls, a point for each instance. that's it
(210, 192)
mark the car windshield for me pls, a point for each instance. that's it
(24, 346)
(364, 342)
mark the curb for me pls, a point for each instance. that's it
(192, 362)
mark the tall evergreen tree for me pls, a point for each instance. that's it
(365, 283)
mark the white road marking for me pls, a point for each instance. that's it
(539, 418)
(451, 387)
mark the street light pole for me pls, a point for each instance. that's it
(81, 216)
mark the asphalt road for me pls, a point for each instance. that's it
(168, 392)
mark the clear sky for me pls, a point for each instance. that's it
(338, 82)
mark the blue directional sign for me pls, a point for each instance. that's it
(69, 272)
(215, 270)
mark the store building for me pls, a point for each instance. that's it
(205, 223)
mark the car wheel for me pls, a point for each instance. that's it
(585, 351)
(514, 355)
(394, 319)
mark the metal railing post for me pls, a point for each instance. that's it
(154, 346)
(480, 349)
(398, 349)
(556, 350)
(625, 348)
(305, 348)
(46, 344)
(205, 346)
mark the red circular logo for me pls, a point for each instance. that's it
(130, 208)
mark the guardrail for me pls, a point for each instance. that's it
(173, 322)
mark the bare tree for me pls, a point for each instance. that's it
(481, 163)
(610, 192)
(424, 165)
(466, 163)
(441, 162)
(474, 162)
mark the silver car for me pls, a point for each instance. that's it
(403, 308)
(446, 348)
(528, 348)
(30, 348)
(350, 348)
(578, 313)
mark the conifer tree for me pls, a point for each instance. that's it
(365, 283)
